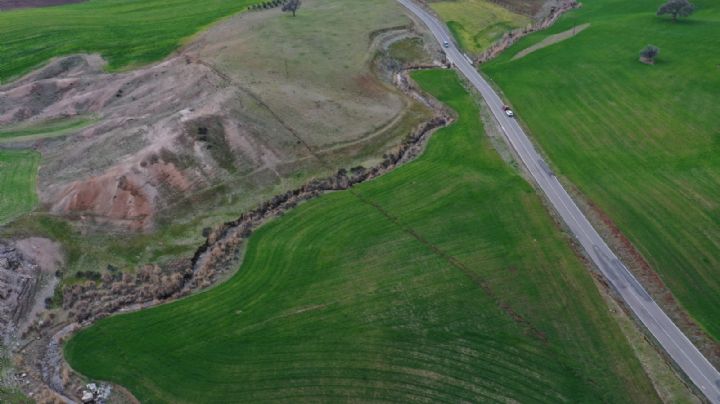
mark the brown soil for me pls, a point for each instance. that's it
(647, 61)
(148, 147)
(12, 4)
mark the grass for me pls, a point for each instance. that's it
(315, 70)
(125, 32)
(642, 142)
(476, 24)
(18, 176)
(44, 130)
(13, 396)
(409, 51)
(444, 280)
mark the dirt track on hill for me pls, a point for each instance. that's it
(13, 4)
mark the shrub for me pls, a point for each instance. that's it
(649, 53)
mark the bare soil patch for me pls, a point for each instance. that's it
(552, 39)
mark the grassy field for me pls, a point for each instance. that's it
(444, 280)
(43, 130)
(476, 24)
(643, 142)
(314, 70)
(18, 173)
(125, 32)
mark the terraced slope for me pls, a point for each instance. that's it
(18, 174)
(643, 142)
(117, 29)
(444, 280)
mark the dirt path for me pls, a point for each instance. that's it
(552, 39)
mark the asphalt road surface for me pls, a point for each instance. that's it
(676, 344)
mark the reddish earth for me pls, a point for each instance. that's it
(146, 149)
(126, 201)
(11, 4)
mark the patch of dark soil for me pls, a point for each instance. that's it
(12, 4)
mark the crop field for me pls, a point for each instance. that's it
(641, 141)
(125, 32)
(476, 24)
(44, 130)
(444, 280)
(18, 173)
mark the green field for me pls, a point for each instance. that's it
(125, 32)
(18, 174)
(643, 142)
(44, 130)
(444, 280)
(476, 24)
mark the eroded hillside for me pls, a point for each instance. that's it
(253, 99)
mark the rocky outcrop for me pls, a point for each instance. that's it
(27, 276)
(18, 283)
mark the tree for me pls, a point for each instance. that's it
(649, 53)
(676, 8)
(291, 5)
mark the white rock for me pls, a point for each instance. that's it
(87, 397)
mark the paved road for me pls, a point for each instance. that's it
(675, 343)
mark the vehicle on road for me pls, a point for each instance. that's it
(446, 44)
(508, 111)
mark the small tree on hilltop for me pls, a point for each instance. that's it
(291, 5)
(649, 53)
(676, 8)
